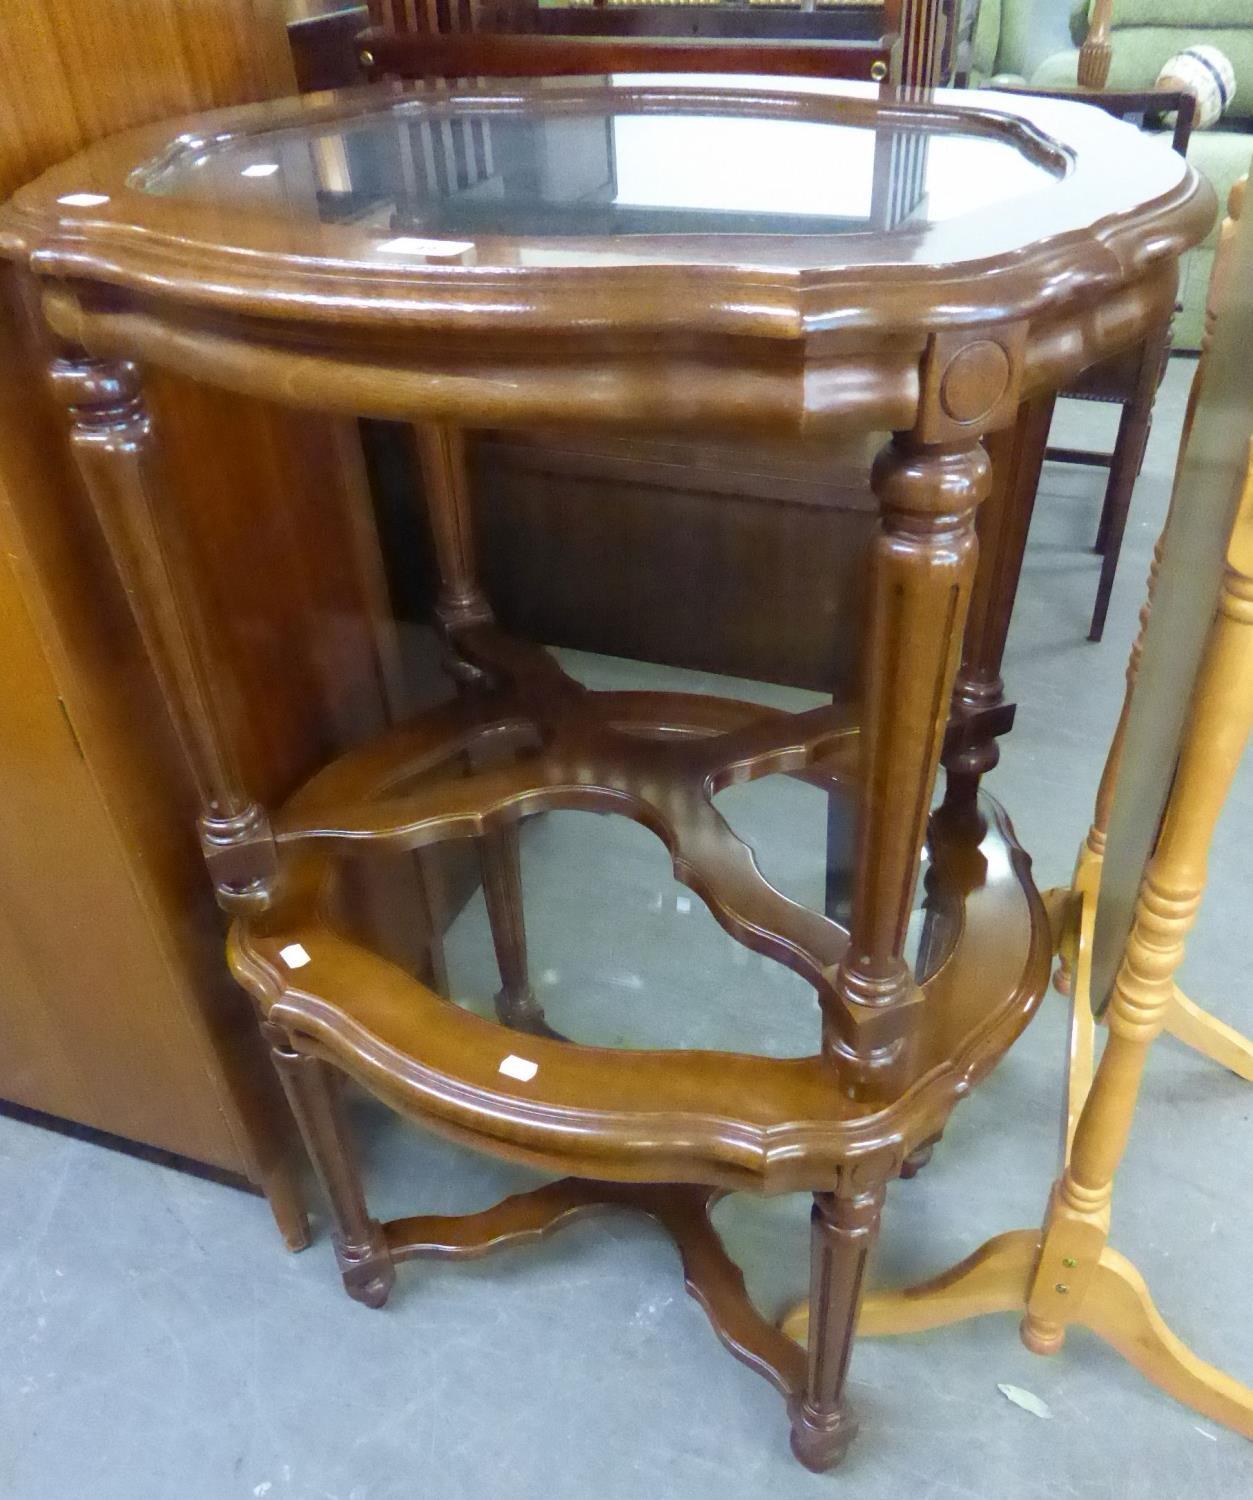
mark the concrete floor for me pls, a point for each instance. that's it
(156, 1342)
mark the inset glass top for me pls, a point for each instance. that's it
(429, 176)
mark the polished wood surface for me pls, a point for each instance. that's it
(662, 549)
(612, 498)
(843, 296)
(946, 329)
(619, 515)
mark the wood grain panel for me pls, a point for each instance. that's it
(743, 558)
(110, 948)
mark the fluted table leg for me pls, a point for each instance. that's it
(843, 1226)
(923, 565)
(112, 438)
(313, 1093)
(462, 604)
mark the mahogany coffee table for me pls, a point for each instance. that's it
(689, 256)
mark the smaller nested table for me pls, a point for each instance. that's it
(630, 254)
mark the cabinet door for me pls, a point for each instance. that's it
(116, 1009)
(92, 1022)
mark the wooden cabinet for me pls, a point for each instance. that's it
(116, 1011)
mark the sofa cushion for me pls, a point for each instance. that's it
(1182, 15)
(986, 39)
(1146, 33)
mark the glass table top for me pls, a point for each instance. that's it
(620, 953)
(422, 174)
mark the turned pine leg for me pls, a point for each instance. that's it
(1076, 1228)
(1087, 877)
(1212, 1038)
(461, 606)
(843, 1226)
(313, 1093)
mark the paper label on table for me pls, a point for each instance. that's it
(520, 1068)
(294, 956)
(1028, 1400)
(408, 244)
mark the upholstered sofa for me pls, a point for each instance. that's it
(1143, 35)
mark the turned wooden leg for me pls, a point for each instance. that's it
(1004, 519)
(446, 484)
(843, 1229)
(516, 1004)
(462, 604)
(1099, 830)
(923, 564)
(313, 1093)
(113, 443)
(1076, 1228)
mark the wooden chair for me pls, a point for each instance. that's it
(909, 41)
(1131, 380)
(1186, 718)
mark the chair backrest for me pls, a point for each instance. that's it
(904, 40)
(1127, 42)
(1139, 106)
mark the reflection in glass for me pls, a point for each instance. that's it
(419, 170)
(623, 955)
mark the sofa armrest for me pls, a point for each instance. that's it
(1096, 52)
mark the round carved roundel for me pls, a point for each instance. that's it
(974, 381)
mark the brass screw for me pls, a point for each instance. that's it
(1069, 1260)
(1062, 1288)
(367, 59)
(878, 71)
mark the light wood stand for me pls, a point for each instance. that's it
(1067, 1273)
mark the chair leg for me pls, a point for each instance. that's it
(1101, 542)
(1133, 435)
(919, 1157)
(843, 1229)
(516, 1004)
(360, 1247)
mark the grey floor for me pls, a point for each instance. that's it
(155, 1341)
